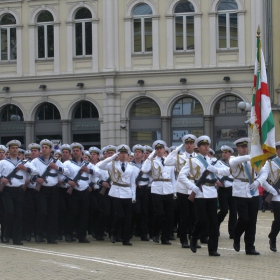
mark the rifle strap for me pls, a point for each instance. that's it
(205, 164)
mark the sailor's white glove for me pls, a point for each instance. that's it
(254, 185)
(179, 148)
(151, 154)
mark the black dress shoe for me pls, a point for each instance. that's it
(68, 238)
(198, 246)
(145, 238)
(28, 237)
(118, 239)
(214, 254)
(99, 238)
(272, 246)
(236, 246)
(185, 245)
(38, 238)
(204, 240)
(51, 241)
(252, 252)
(193, 244)
(127, 243)
(165, 242)
(17, 243)
(59, 237)
(113, 239)
(84, 240)
(172, 237)
(5, 240)
(156, 239)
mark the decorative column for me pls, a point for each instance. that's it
(19, 49)
(170, 41)
(165, 128)
(197, 40)
(241, 37)
(212, 39)
(95, 62)
(208, 126)
(29, 132)
(155, 42)
(32, 50)
(70, 41)
(56, 62)
(66, 131)
(128, 40)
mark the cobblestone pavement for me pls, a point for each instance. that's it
(144, 260)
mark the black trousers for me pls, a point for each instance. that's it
(12, 198)
(275, 227)
(227, 202)
(63, 209)
(29, 210)
(187, 216)
(140, 210)
(78, 213)
(93, 210)
(150, 212)
(47, 204)
(247, 209)
(163, 215)
(1, 216)
(104, 217)
(122, 219)
(206, 214)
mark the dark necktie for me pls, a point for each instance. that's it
(162, 161)
(190, 155)
(205, 158)
(123, 167)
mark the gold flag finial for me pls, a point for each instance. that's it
(258, 32)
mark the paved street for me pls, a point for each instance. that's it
(144, 260)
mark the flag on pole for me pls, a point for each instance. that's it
(263, 135)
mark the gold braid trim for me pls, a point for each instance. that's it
(240, 168)
(154, 168)
(115, 172)
(196, 175)
(273, 173)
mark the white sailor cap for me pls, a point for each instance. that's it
(46, 142)
(27, 153)
(242, 141)
(204, 139)
(3, 148)
(159, 144)
(110, 148)
(123, 148)
(172, 148)
(33, 146)
(21, 151)
(188, 138)
(148, 148)
(65, 147)
(87, 153)
(94, 150)
(13, 143)
(138, 147)
(277, 144)
(211, 151)
(167, 150)
(103, 151)
(57, 152)
(226, 148)
(77, 145)
(131, 154)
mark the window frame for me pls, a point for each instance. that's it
(83, 21)
(227, 13)
(8, 27)
(45, 25)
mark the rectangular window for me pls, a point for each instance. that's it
(179, 33)
(4, 44)
(50, 38)
(233, 30)
(88, 39)
(41, 41)
(148, 35)
(13, 44)
(137, 35)
(222, 25)
(79, 38)
(190, 32)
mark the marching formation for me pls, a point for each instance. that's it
(51, 194)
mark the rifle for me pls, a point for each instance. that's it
(45, 175)
(276, 186)
(103, 190)
(77, 178)
(200, 182)
(12, 175)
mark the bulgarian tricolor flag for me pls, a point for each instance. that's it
(262, 123)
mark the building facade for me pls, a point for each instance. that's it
(105, 72)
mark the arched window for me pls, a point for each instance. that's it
(48, 111)
(227, 24)
(145, 108)
(187, 117)
(85, 110)
(142, 28)
(11, 113)
(8, 38)
(45, 35)
(83, 32)
(184, 26)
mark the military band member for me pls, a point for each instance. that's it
(13, 193)
(122, 191)
(163, 190)
(48, 195)
(271, 171)
(226, 200)
(206, 200)
(79, 199)
(186, 207)
(245, 192)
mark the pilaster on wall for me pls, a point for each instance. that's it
(29, 132)
(165, 130)
(208, 126)
(66, 131)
